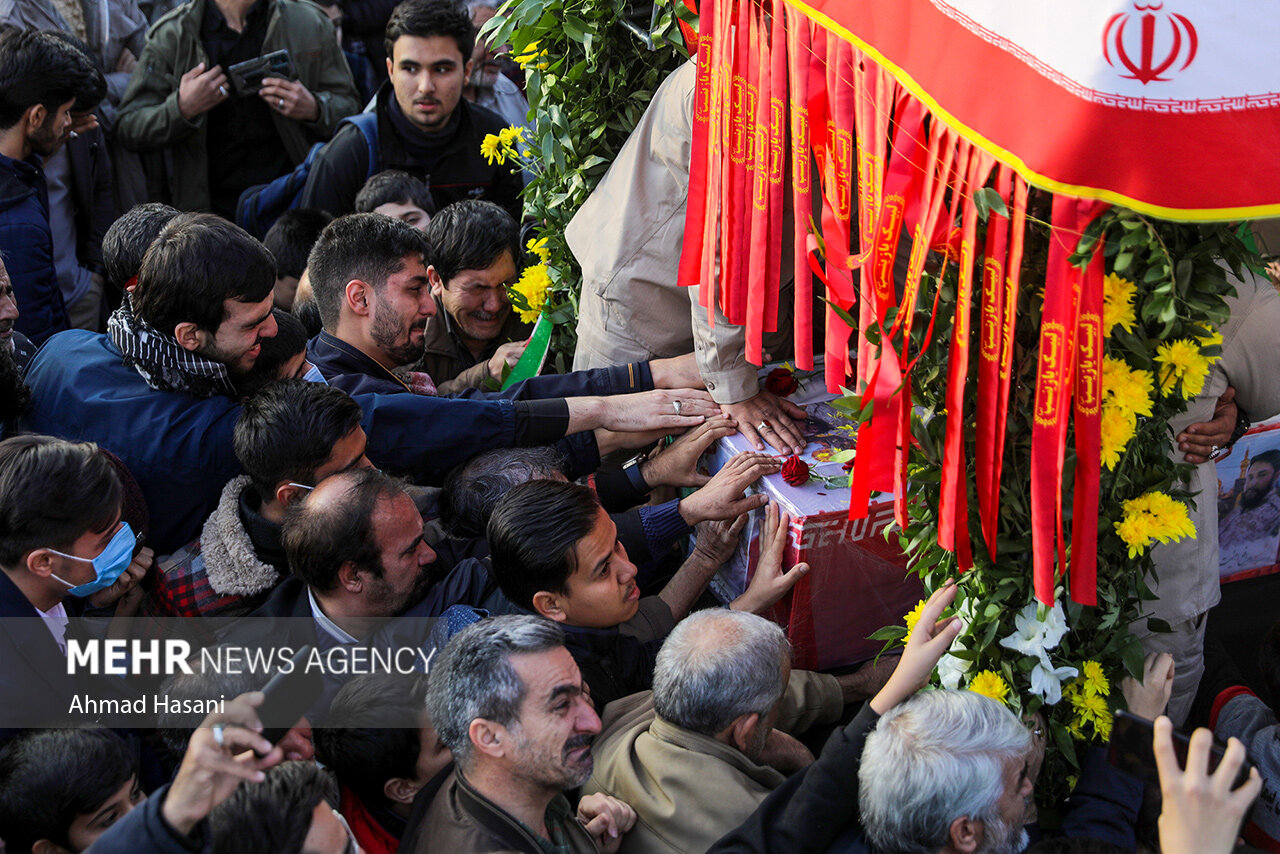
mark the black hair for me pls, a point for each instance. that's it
(51, 493)
(363, 246)
(198, 262)
(1271, 458)
(93, 84)
(48, 777)
(426, 18)
(290, 340)
(471, 235)
(38, 67)
(307, 311)
(394, 187)
(274, 816)
(290, 239)
(365, 740)
(129, 237)
(319, 537)
(473, 489)
(288, 429)
(532, 534)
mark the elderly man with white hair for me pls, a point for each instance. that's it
(697, 754)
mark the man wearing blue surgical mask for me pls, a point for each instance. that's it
(63, 550)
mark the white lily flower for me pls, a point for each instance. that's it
(951, 669)
(1046, 680)
(1033, 636)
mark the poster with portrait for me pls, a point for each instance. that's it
(1249, 505)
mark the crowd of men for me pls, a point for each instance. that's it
(254, 337)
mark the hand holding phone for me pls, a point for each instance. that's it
(1131, 749)
(288, 697)
(1203, 808)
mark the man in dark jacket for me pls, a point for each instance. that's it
(425, 127)
(370, 282)
(203, 300)
(508, 701)
(40, 77)
(220, 137)
(81, 208)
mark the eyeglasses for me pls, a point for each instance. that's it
(353, 847)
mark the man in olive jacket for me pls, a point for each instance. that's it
(218, 141)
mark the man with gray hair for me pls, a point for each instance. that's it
(696, 755)
(946, 771)
(507, 699)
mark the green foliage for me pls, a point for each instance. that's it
(592, 67)
(1180, 287)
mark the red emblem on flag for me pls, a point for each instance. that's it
(1183, 40)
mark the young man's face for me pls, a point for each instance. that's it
(87, 827)
(406, 212)
(477, 299)
(53, 132)
(602, 591)
(400, 311)
(238, 340)
(557, 722)
(87, 546)
(428, 75)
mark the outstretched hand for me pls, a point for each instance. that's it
(1201, 813)
(723, 496)
(929, 641)
(677, 464)
(770, 583)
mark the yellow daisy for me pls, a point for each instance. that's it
(988, 683)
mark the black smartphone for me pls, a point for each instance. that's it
(246, 77)
(1131, 750)
(288, 696)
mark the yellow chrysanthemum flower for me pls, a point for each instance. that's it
(1118, 427)
(988, 683)
(1129, 387)
(1102, 726)
(1153, 517)
(1182, 360)
(534, 284)
(1094, 679)
(1089, 707)
(913, 617)
(538, 246)
(530, 56)
(491, 149)
(1117, 304)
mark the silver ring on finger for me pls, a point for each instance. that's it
(218, 735)
(281, 103)
(762, 426)
(677, 406)
(222, 90)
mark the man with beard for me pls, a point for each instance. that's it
(946, 771)
(488, 86)
(1248, 533)
(40, 77)
(373, 286)
(509, 702)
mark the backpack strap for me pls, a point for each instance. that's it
(367, 124)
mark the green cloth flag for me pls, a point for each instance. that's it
(535, 355)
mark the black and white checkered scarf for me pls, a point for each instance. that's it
(162, 362)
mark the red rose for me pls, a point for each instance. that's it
(781, 382)
(795, 471)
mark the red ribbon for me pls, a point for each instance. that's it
(798, 47)
(953, 509)
(700, 199)
(991, 338)
(1055, 375)
(1088, 428)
